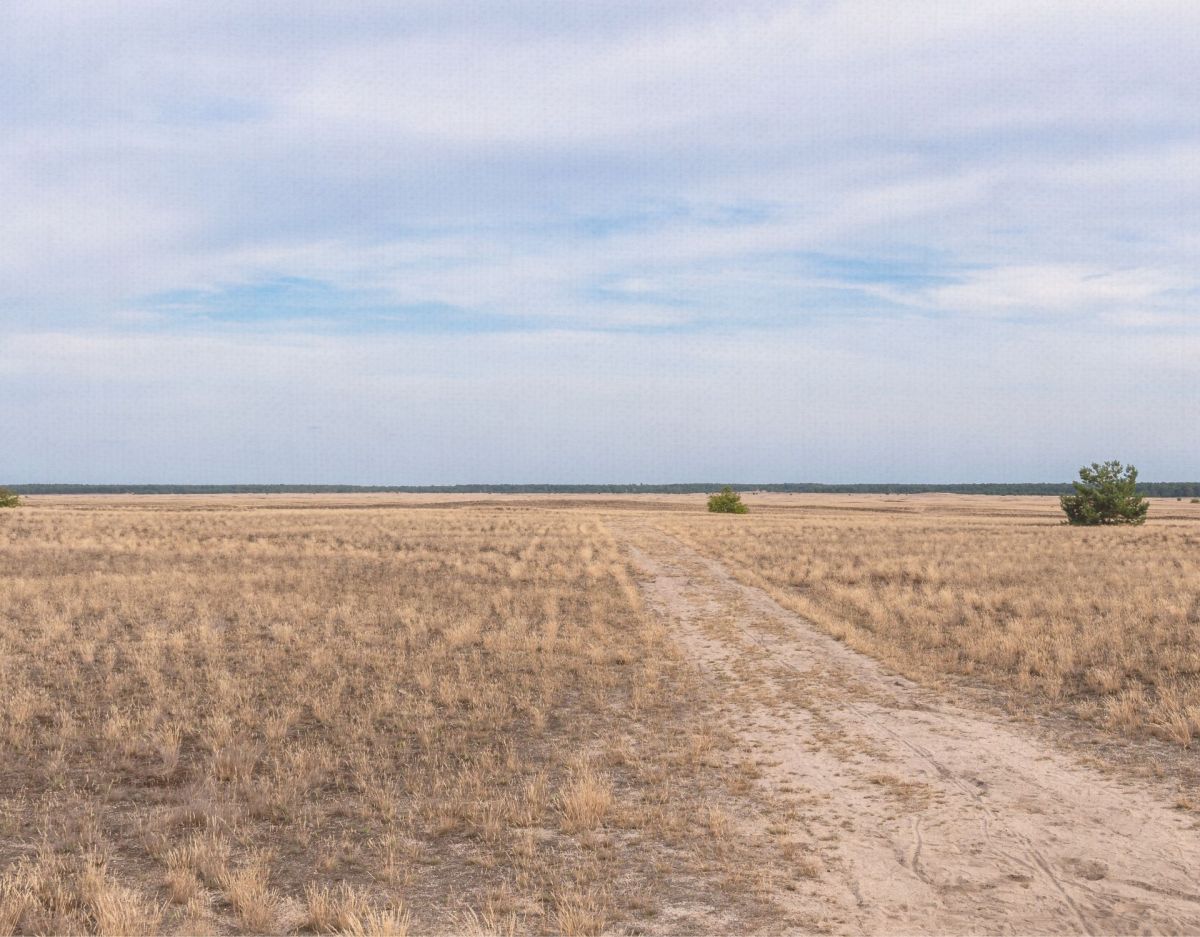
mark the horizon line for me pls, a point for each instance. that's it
(48, 487)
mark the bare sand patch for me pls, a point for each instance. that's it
(941, 819)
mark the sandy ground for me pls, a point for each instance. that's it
(932, 818)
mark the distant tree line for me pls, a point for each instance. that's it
(1149, 489)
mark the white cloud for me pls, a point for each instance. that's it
(1063, 288)
(956, 170)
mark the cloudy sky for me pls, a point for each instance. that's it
(524, 241)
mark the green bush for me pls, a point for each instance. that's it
(1106, 493)
(727, 501)
(8, 499)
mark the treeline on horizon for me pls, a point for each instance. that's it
(1150, 489)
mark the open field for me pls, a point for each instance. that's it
(318, 719)
(380, 714)
(938, 816)
(1102, 622)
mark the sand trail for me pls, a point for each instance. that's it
(939, 819)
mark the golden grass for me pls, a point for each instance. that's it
(585, 800)
(341, 909)
(222, 717)
(1100, 622)
(353, 717)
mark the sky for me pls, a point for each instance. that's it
(611, 241)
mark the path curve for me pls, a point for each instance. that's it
(941, 820)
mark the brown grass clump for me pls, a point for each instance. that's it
(248, 894)
(58, 894)
(1101, 622)
(579, 914)
(261, 716)
(342, 909)
(585, 800)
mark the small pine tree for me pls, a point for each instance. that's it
(727, 501)
(1106, 493)
(8, 499)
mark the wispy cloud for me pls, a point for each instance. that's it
(765, 173)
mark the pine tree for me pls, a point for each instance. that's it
(1106, 493)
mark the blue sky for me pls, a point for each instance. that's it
(598, 241)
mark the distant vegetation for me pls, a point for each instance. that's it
(8, 499)
(1150, 489)
(1106, 493)
(727, 501)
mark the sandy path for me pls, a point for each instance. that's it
(939, 819)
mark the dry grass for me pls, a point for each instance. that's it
(1101, 622)
(585, 800)
(343, 910)
(246, 716)
(323, 717)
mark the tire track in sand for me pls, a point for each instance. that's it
(942, 820)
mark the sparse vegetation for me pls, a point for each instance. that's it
(1099, 622)
(727, 501)
(218, 718)
(322, 715)
(1106, 493)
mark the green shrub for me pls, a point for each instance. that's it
(727, 501)
(1106, 493)
(8, 499)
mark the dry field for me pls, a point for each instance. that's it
(939, 812)
(261, 716)
(1103, 623)
(372, 714)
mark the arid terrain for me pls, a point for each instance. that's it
(386, 714)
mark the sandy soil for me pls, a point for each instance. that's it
(933, 818)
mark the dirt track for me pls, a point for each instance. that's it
(936, 819)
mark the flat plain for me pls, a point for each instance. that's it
(429, 714)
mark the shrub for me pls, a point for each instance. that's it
(727, 501)
(8, 499)
(1106, 493)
